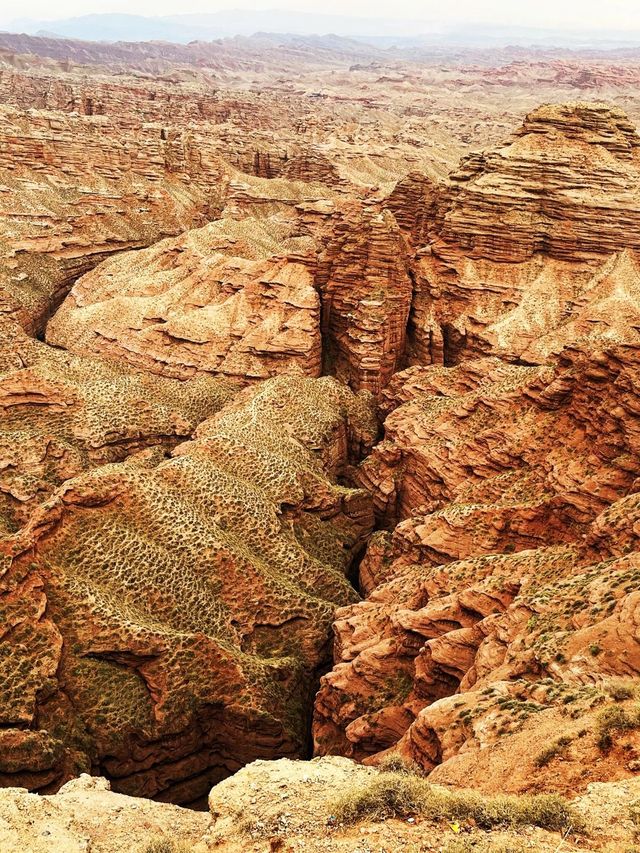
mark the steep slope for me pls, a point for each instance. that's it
(163, 623)
(76, 190)
(234, 297)
(532, 245)
(366, 288)
(61, 414)
(284, 284)
(509, 585)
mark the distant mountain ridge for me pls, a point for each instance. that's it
(383, 32)
(208, 27)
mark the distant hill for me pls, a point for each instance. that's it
(381, 32)
(206, 27)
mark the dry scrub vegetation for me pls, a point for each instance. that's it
(612, 720)
(400, 793)
(167, 845)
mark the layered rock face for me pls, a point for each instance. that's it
(244, 296)
(566, 185)
(235, 297)
(183, 493)
(509, 587)
(414, 203)
(533, 245)
(77, 190)
(366, 289)
(163, 622)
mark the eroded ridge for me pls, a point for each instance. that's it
(319, 285)
(163, 624)
(61, 414)
(506, 595)
(533, 245)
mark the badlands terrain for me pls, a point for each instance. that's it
(319, 447)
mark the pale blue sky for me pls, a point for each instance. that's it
(592, 14)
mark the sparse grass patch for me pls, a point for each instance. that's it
(167, 845)
(614, 719)
(471, 845)
(620, 689)
(558, 747)
(402, 795)
(394, 763)
(634, 814)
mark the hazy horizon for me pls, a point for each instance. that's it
(574, 15)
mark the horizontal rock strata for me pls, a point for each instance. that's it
(531, 246)
(255, 296)
(235, 298)
(74, 191)
(510, 580)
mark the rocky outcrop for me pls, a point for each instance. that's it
(278, 805)
(76, 190)
(311, 789)
(316, 286)
(414, 203)
(163, 623)
(534, 244)
(61, 414)
(85, 813)
(527, 312)
(365, 284)
(234, 298)
(313, 166)
(566, 185)
(294, 163)
(475, 668)
(493, 429)
(513, 562)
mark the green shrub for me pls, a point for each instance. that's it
(394, 763)
(383, 796)
(621, 689)
(470, 845)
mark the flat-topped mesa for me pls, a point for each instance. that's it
(311, 165)
(566, 184)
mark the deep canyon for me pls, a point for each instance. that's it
(319, 430)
